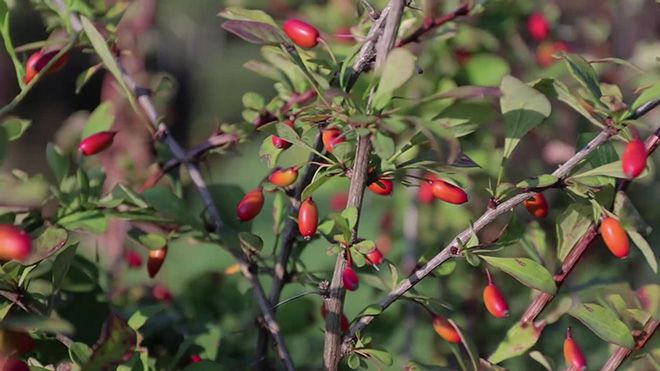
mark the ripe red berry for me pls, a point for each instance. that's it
(382, 187)
(448, 192)
(195, 358)
(279, 142)
(283, 177)
(15, 341)
(133, 258)
(374, 257)
(38, 60)
(446, 330)
(345, 325)
(250, 205)
(15, 244)
(161, 293)
(338, 201)
(13, 364)
(308, 218)
(494, 300)
(615, 237)
(537, 205)
(156, 260)
(538, 26)
(546, 50)
(350, 279)
(331, 137)
(301, 33)
(425, 192)
(572, 353)
(634, 159)
(96, 143)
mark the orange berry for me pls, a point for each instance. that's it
(284, 177)
(615, 237)
(537, 205)
(572, 353)
(448, 192)
(446, 330)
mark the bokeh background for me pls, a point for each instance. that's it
(179, 49)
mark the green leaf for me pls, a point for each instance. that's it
(250, 243)
(468, 344)
(58, 162)
(544, 180)
(79, 353)
(255, 32)
(62, 264)
(541, 359)
(209, 341)
(9, 45)
(648, 94)
(351, 216)
(268, 153)
(100, 120)
(584, 73)
(319, 179)
(645, 248)
(383, 145)
(85, 76)
(523, 108)
(29, 322)
(166, 202)
(142, 315)
(518, 340)
(241, 14)
(628, 214)
(47, 244)
(365, 246)
(371, 310)
(486, 69)
(15, 127)
(557, 89)
(604, 323)
(572, 224)
(117, 339)
(612, 169)
(253, 101)
(152, 241)
(398, 68)
(381, 355)
(90, 220)
(123, 192)
(353, 361)
(4, 144)
(525, 270)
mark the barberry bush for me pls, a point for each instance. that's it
(396, 184)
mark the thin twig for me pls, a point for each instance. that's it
(431, 24)
(620, 354)
(452, 249)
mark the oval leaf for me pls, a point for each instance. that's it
(525, 270)
(604, 323)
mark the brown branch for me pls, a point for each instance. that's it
(431, 24)
(620, 354)
(452, 249)
(287, 242)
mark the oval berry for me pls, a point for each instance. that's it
(374, 257)
(446, 330)
(572, 353)
(546, 51)
(16, 341)
(538, 26)
(615, 237)
(308, 218)
(156, 260)
(13, 364)
(250, 206)
(162, 293)
(96, 143)
(331, 137)
(425, 192)
(133, 259)
(537, 205)
(15, 243)
(634, 159)
(301, 33)
(383, 187)
(38, 60)
(284, 177)
(494, 300)
(195, 358)
(279, 142)
(448, 192)
(350, 279)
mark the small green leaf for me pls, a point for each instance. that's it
(85, 76)
(58, 162)
(628, 214)
(584, 73)
(62, 264)
(351, 216)
(246, 15)
(525, 270)
(523, 108)
(365, 246)
(398, 68)
(123, 192)
(353, 361)
(100, 120)
(255, 32)
(319, 179)
(648, 94)
(384, 146)
(253, 101)
(89, 220)
(518, 340)
(604, 323)
(381, 355)
(612, 169)
(572, 224)
(645, 248)
(268, 153)
(486, 69)
(15, 127)
(79, 353)
(142, 315)
(48, 243)
(540, 181)
(251, 242)
(371, 310)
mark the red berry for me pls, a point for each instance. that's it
(634, 159)
(446, 330)
(15, 244)
(615, 237)
(195, 358)
(96, 143)
(15, 341)
(331, 137)
(374, 257)
(161, 293)
(382, 187)
(546, 50)
(425, 192)
(155, 261)
(301, 33)
(538, 26)
(13, 364)
(494, 300)
(338, 201)
(537, 205)
(38, 60)
(250, 205)
(308, 218)
(448, 192)
(572, 353)
(133, 258)
(279, 142)
(350, 279)
(283, 177)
